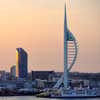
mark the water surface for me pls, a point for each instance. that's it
(34, 98)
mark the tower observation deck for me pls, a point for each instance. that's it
(70, 54)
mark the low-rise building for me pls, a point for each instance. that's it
(42, 75)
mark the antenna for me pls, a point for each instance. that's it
(68, 9)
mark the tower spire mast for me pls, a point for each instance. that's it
(65, 51)
(65, 19)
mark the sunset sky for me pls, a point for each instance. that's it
(37, 26)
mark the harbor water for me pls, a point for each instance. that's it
(35, 98)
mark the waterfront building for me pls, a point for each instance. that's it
(21, 63)
(42, 75)
(40, 83)
(13, 71)
(2, 75)
(28, 85)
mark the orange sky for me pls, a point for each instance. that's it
(37, 26)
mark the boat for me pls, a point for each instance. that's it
(77, 93)
(71, 93)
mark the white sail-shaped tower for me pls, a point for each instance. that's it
(70, 54)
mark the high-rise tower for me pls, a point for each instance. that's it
(21, 63)
(70, 54)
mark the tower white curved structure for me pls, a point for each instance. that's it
(70, 54)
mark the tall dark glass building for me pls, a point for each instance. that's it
(21, 63)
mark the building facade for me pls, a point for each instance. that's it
(13, 71)
(42, 75)
(2, 75)
(21, 63)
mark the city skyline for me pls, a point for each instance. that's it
(40, 26)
